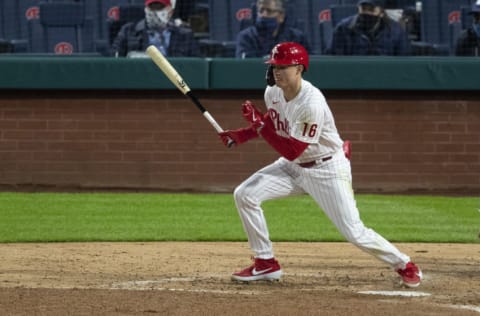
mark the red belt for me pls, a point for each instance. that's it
(313, 162)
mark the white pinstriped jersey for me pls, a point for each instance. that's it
(306, 118)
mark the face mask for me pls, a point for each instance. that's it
(158, 18)
(367, 23)
(476, 28)
(267, 25)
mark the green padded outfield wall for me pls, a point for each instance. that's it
(336, 73)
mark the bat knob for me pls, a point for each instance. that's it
(230, 143)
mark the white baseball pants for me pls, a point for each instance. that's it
(330, 184)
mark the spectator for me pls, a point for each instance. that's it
(370, 32)
(156, 29)
(269, 29)
(468, 43)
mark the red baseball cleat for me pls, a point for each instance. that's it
(261, 269)
(411, 275)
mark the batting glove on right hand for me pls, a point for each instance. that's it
(251, 113)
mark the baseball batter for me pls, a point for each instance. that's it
(300, 127)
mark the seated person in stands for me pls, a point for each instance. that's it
(468, 43)
(156, 29)
(370, 32)
(269, 29)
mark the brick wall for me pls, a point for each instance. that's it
(402, 141)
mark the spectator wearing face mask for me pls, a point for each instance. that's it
(269, 29)
(468, 42)
(156, 29)
(370, 32)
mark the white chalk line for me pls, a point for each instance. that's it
(159, 285)
(420, 294)
(466, 307)
(396, 293)
(146, 285)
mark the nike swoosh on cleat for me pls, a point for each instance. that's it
(255, 272)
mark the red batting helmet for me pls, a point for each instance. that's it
(164, 2)
(289, 53)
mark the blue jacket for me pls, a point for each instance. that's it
(389, 39)
(251, 44)
(134, 37)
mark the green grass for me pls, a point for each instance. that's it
(47, 217)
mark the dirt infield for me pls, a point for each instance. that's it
(194, 278)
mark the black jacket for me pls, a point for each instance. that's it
(134, 37)
(389, 39)
(468, 43)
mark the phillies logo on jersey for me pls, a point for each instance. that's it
(113, 13)
(63, 48)
(324, 16)
(279, 124)
(32, 13)
(454, 17)
(243, 13)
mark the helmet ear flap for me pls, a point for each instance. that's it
(269, 76)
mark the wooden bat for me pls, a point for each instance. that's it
(178, 81)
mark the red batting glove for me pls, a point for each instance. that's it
(251, 113)
(239, 136)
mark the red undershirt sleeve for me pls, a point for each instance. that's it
(288, 147)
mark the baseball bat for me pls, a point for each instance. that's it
(178, 81)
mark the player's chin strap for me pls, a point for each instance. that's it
(269, 76)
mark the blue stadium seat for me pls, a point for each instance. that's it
(92, 11)
(15, 15)
(109, 11)
(339, 12)
(14, 18)
(299, 15)
(225, 18)
(140, 2)
(465, 18)
(439, 19)
(321, 24)
(25, 11)
(347, 2)
(62, 29)
(2, 19)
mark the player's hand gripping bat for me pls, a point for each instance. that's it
(178, 81)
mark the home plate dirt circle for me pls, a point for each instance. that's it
(188, 278)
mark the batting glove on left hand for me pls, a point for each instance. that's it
(239, 136)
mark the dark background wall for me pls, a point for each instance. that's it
(142, 139)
